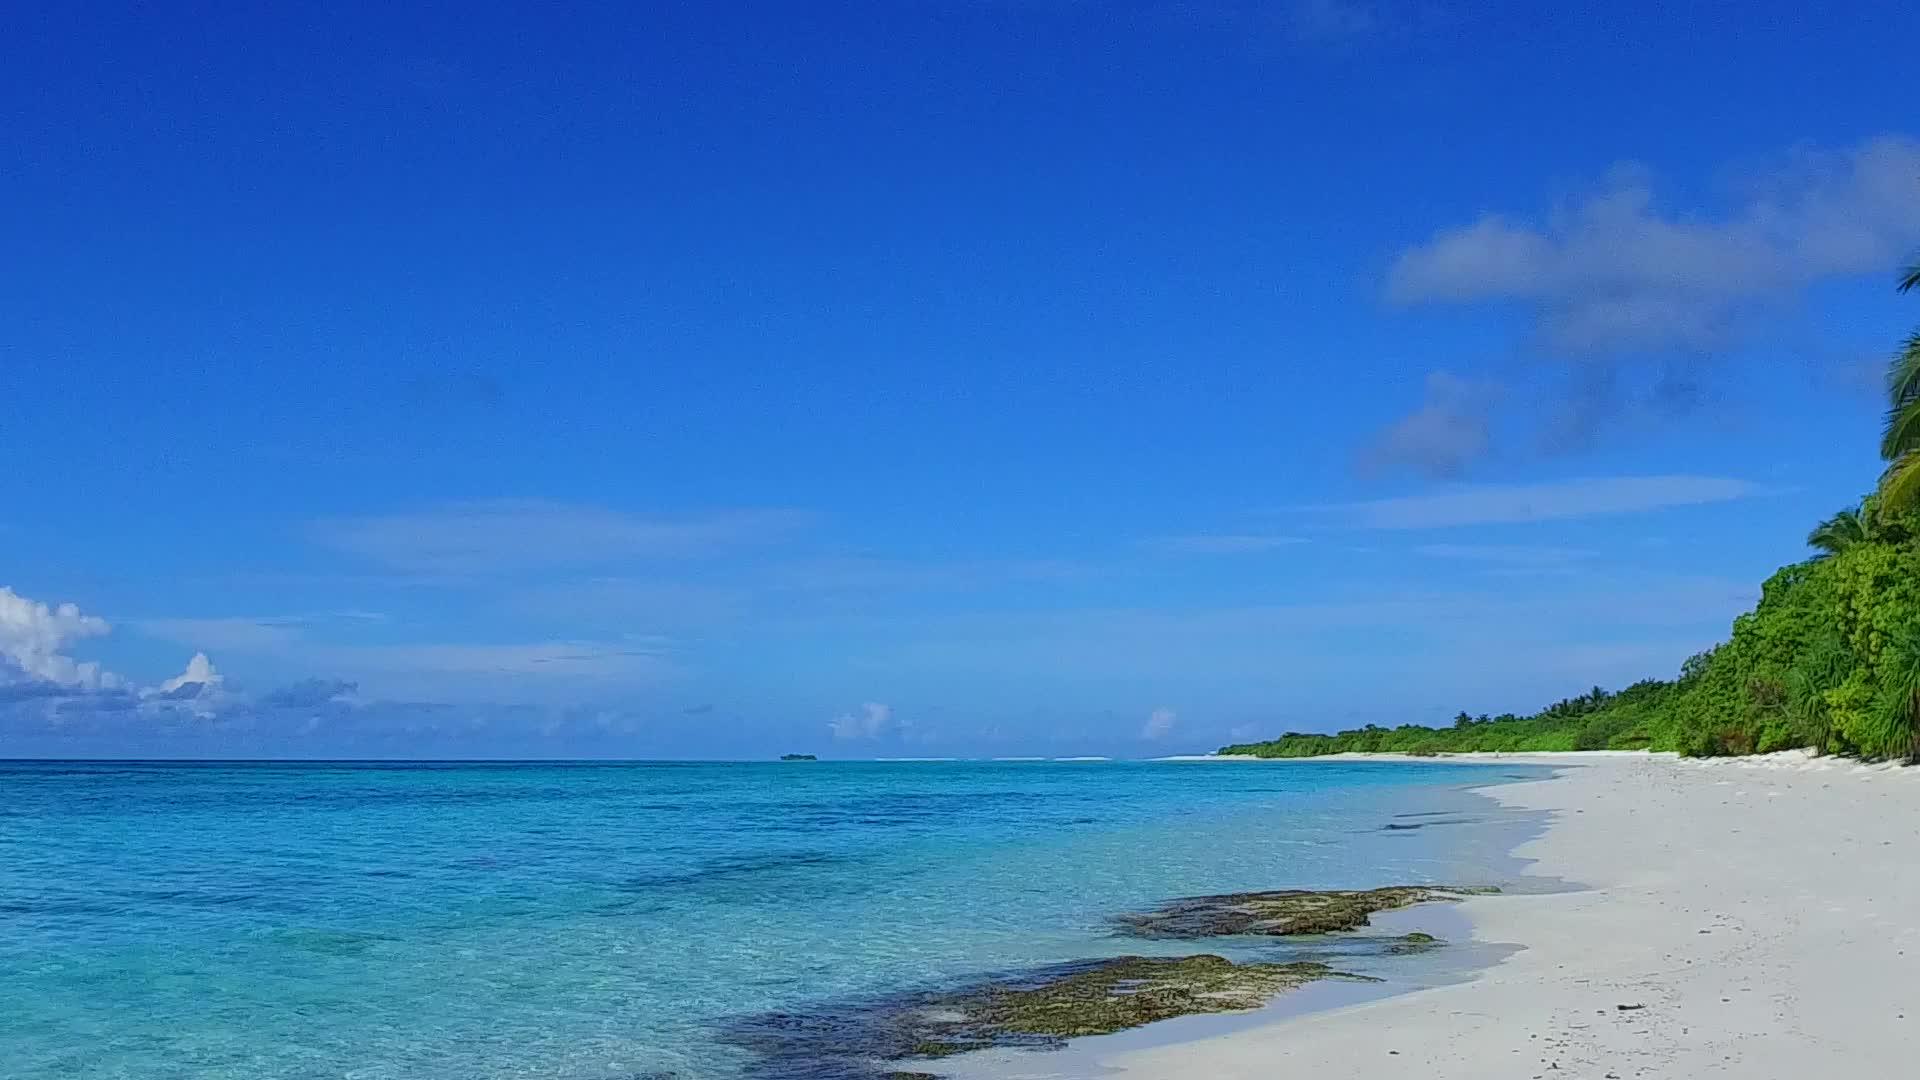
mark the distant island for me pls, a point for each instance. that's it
(798, 757)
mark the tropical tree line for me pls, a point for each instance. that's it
(1828, 660)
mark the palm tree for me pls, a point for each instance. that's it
(1900, 448)
(1840, 532)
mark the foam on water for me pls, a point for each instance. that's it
(613, 921)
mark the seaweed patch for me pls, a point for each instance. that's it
(1283, 913)
(1038, 1010)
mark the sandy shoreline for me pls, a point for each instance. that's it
(1759, 917)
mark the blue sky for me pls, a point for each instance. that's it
(917, 378)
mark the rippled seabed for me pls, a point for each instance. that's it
(611, 921)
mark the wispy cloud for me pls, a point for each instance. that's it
(1316, 27)
(239, 633)
(1629, 303)
(248, 633)
(1459, 644)
(515, 534)
(1334, 20)
(631, 659)
(1510, 504)
(1220, 543)
(1159, 723)
(1614, 270)
(649, 602)
(310, 694)
(1505, 554)
(863, 573)
(1451, 429)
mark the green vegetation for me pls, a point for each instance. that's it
(1829, 659)
(798, 757)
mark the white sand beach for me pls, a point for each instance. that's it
(1754, 917)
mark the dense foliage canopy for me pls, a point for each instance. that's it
(1828, 660)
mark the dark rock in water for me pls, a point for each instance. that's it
(333, 942)
(1039, 1010)
(1410, 826)
(1282, 913)
(1416, 942)
(1112, 995)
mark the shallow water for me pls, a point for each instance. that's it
(610, 921)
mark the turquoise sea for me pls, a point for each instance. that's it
(620, 921)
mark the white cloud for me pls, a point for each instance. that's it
(195, 690)
(33, 642)
(509, 534)
(34, 639)
(1220, 543)
(872, 721)
(1449, 431)
(1159, 723)
(1508, 504)
(1614, 270)
(198, 677)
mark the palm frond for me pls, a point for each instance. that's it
(1900, 485)
(1903, 402)
(1910, 278)
(1838, 533)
